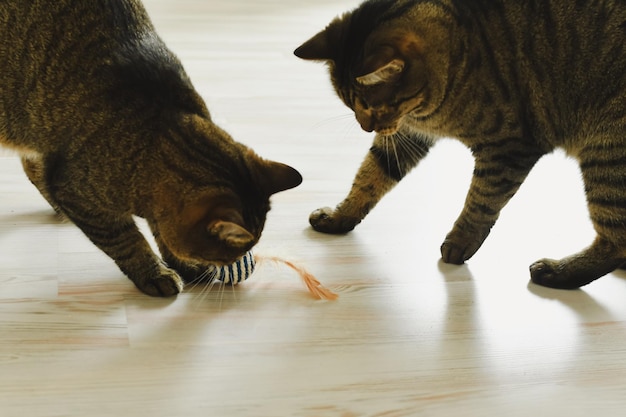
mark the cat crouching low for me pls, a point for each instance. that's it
(512, 80)
(109, 126)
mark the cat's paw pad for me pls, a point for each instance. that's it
(548, 273)
(168, 283)
(541, 272)
(326, 221)
(453, 252)
(460, 245)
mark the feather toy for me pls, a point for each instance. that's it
(243, 268)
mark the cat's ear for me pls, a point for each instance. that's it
(231, 234)
(317, 48)
(321, 47)
(273, 177)
(386, 73)
(277, 177)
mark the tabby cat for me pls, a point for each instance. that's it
(512, 80)
(109, 126)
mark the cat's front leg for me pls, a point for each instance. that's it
(389, 159)
(499, 171)
(190, 273)
(120, 238)
(369, 186)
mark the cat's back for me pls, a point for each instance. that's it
(562, 61)
(81, 65)
(40, 38)
(562, 37)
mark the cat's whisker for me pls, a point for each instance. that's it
(233, 291)
(334, 119)
(197, 281)
(385, 143)
(349, 124)
(351, 128)
(391, 144)
(203, 294)
(221, 292)
(205, 281)
(410, 146)
(394, 140)
(211, 286)
(192, 286)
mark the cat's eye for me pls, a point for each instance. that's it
(360, 101)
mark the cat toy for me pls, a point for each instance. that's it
(242, 269)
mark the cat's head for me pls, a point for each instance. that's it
(214, 206)
(387, 61)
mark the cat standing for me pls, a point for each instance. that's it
(512, 80)
(108, 126)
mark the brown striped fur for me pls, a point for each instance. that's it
(512, 80)
(109, 127)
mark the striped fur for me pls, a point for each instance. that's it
(512, 80)
(109, 127)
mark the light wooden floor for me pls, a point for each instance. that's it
(408, 336)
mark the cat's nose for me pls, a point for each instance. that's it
(366, 121)
(368, 128)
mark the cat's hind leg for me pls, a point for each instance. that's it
(389, 159)
(603, 172)
(35, 170)
(580, 269)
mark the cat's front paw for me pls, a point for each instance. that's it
(458, 247)
(550, 273)
(326, 220)
(168, 283)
